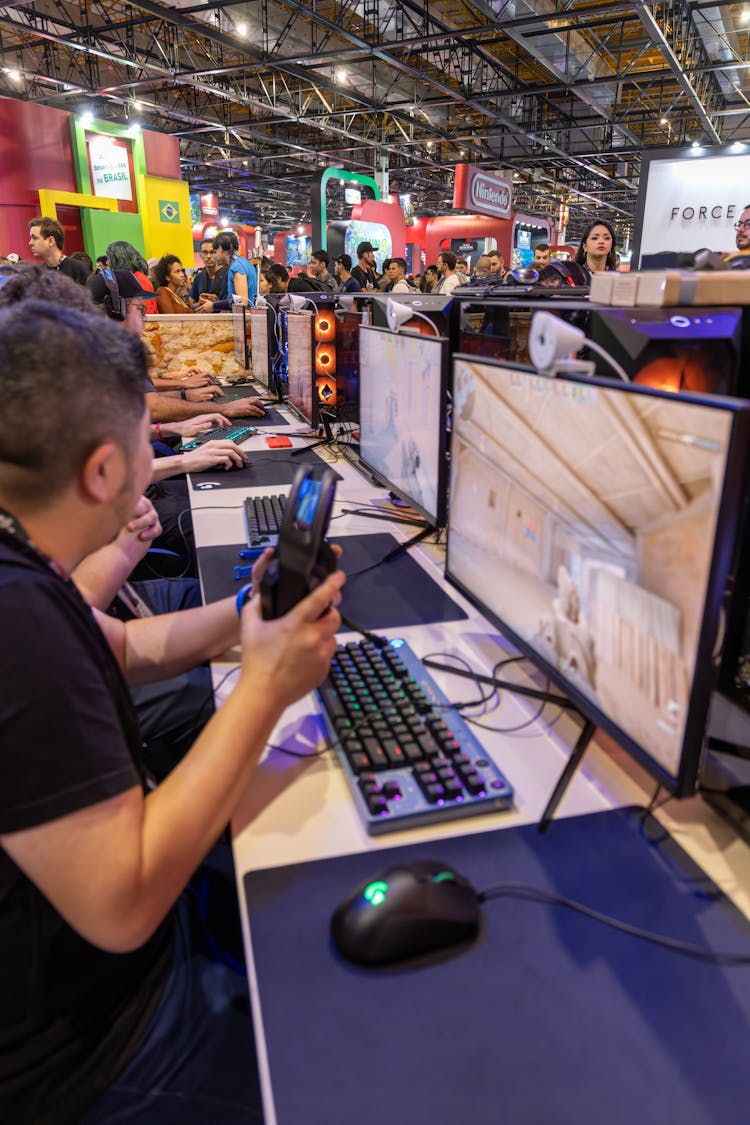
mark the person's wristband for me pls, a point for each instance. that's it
(183, 393)
(157, 427)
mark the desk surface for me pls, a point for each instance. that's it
(296, 810)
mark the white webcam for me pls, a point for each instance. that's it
(553, 343)
(397, 314)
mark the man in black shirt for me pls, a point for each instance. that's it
(208, 281)
(103, 1013)
(47, 239)
(364, 271)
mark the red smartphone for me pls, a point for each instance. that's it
(278, 442)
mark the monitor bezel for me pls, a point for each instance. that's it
(310, 317)
(706, 670)
(439, 519)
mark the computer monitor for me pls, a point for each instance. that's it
(593, 522)
(348, 324)
(239, 330)
(311, 359)
(692, 349)
(262, 322)
(402, 416)
(497, 327)
(435, 306)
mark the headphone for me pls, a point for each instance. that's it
(115, 305)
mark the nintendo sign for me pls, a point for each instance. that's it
(475, 190)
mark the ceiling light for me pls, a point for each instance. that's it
(738, 146)
(663, 121)
(135, 127)
(14, 75)
(340, 75)
(300, 229)
(745, 15)
(242, 29)
(87, 118)
(224, 221)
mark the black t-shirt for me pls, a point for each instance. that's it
(366, 278)
(72, 268)
(71, 1015)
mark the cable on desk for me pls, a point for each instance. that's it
(539, 895)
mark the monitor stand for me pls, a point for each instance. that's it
(329, 439)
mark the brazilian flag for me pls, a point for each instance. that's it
(169, 211)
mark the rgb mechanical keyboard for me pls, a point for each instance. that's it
(231, 433)
(408, 755)
(263, 516)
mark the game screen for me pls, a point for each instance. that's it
(583, 519)
(347, 364)
(259, 348)
(402, 405)
(300, 360)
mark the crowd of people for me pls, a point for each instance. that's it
(227, 277)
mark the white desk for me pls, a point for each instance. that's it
(296, 810)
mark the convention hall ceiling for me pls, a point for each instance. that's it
(563, 94)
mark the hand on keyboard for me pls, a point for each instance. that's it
(214, 455)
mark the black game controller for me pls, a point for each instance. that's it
(303, 559)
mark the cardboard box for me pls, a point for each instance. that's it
(690, 287)
(625, 290)
(601, 287)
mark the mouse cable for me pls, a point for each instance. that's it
(539, 895)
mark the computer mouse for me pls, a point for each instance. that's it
(406, 910)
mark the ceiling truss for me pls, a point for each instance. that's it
(565, 95)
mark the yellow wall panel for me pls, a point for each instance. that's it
(165, 210)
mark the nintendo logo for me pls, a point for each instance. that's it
(490, 196)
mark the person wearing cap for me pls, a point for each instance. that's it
(364, 271)
(347, 282)
(47, 239)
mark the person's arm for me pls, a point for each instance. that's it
(191, 427)
(240, 286)
(114, 869)
(217, 454)
(101, 574)
(168, 406)
(167, 380)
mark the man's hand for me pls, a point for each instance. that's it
(144, 525)
(218, 454)
(292, 654)
(204, 394)
(193, 426)
(244, 408)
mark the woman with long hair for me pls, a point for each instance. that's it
(170, 279)
(597, 250)
(124, 256)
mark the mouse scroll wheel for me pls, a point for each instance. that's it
(444, 877)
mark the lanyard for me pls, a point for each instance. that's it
(11, 528)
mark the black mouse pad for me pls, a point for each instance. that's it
(271, 420)
(392, 595)
(267, 467)
(548, 1017)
